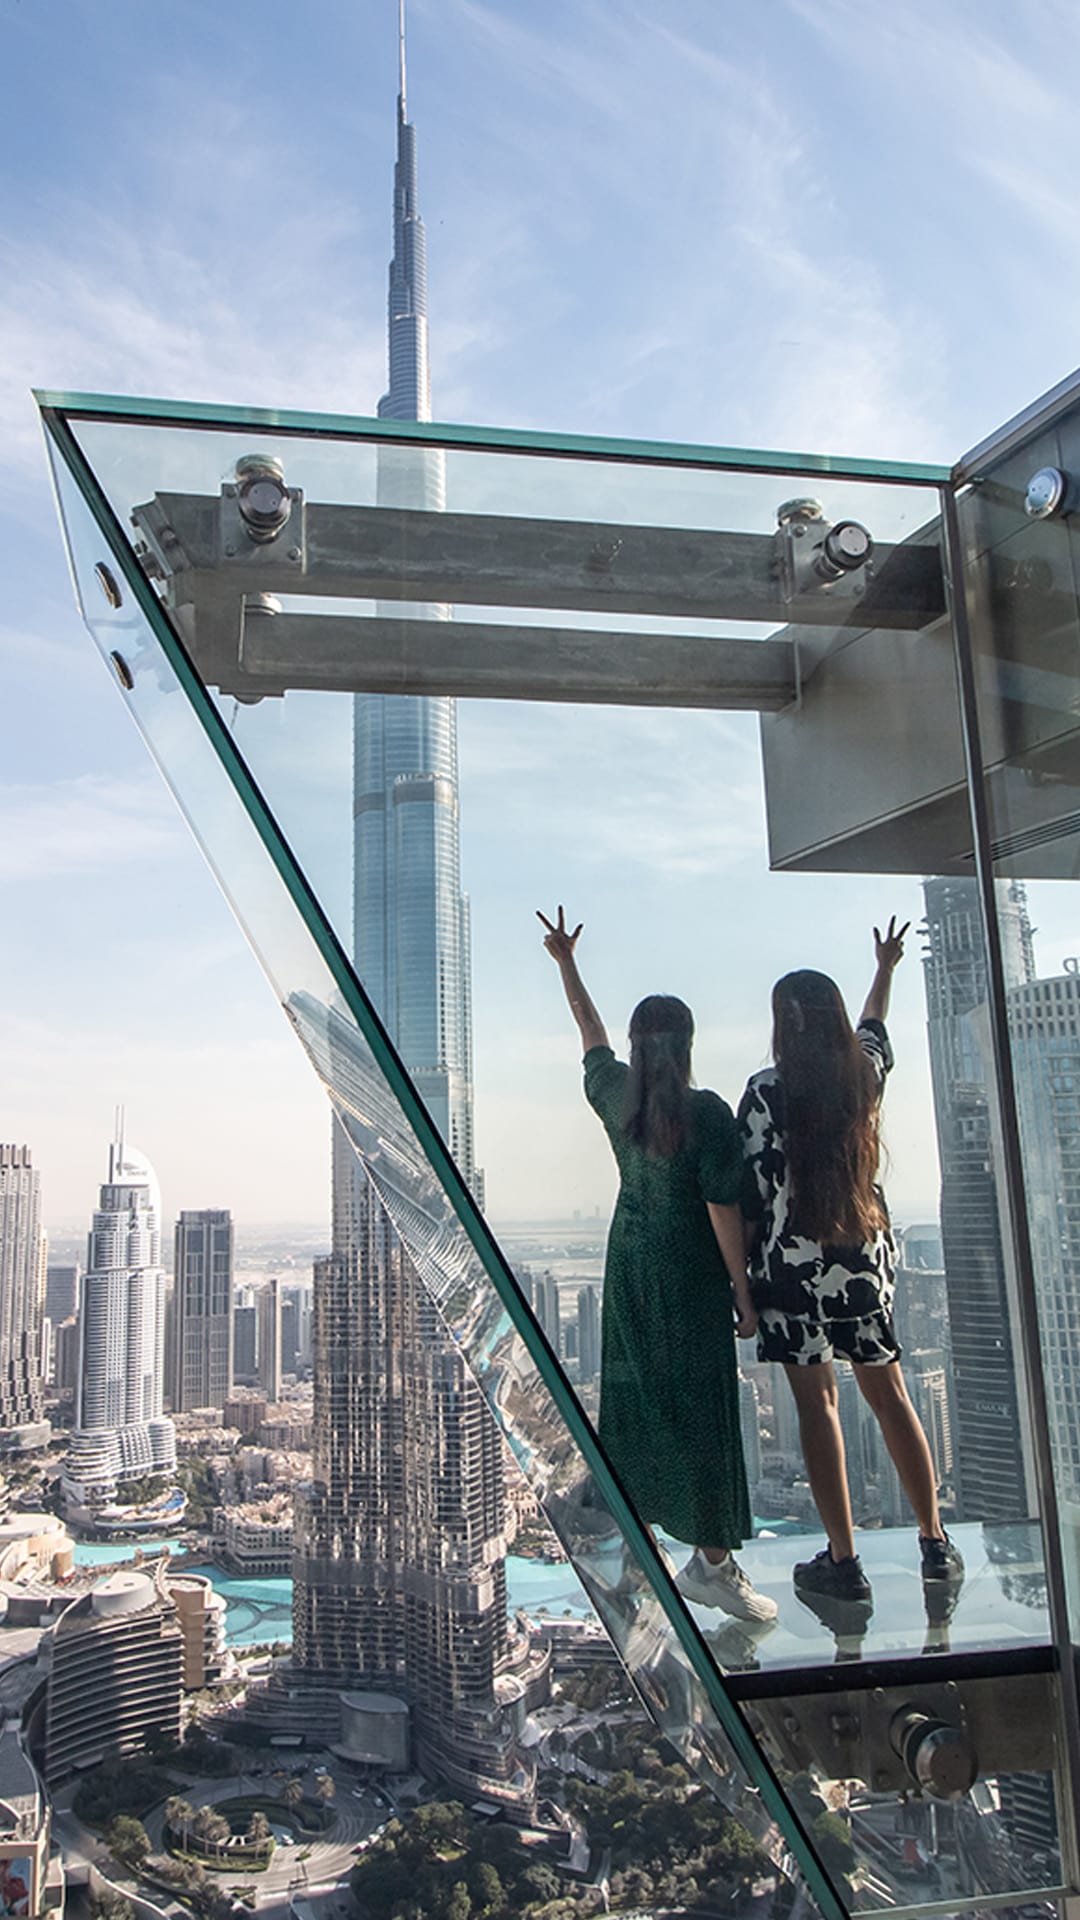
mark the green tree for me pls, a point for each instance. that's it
(179, 1814)
(460, 1906)
(211, 1828)
(539, 1882)
(486, 1887)
(108, 1905)
(833, 1842)
(326, 1788)
(128, 1840)
(292, 1793)
(258, 1828)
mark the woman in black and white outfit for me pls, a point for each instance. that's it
(822, 1256)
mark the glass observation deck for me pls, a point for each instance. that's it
(857, 671)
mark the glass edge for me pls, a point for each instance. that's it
(105, 407)
(761, 1777)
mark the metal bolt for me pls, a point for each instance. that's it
(109, 585)
(294, 553)
(122, 671)
(229, 550)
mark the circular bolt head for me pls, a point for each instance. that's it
(794, 510)
(848, 545)
(1045, 493)
(109, 585)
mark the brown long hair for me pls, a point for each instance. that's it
(831, 1112)
(654, 1111)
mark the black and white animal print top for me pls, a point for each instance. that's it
(788, 1272)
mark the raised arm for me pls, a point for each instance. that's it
(561, 945)
(889, 951)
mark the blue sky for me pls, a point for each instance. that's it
(792, 223)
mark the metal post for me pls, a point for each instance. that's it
(957, 597)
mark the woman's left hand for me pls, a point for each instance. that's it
(746, 1320)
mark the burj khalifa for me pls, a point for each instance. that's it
(399, 1575)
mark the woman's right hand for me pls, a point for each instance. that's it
(559, 943)
(889, 947)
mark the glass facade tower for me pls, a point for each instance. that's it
(21, 1290)
(399, 1568)
(992, 1452)
(121, 1431)
(202, 1367)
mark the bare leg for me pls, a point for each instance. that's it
(817, 1401)
(886, 1395)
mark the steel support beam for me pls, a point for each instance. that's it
(490, 662)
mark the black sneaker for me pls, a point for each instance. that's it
(839, 1579)
(941, 1559)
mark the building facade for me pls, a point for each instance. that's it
(116, 1675)
(1044, 1026)
(22, 1287)
(399, 1581)
(993, 1464)
(201, 1374)
(121, 1432)
(268, 1344)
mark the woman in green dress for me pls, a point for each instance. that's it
(674, 1271)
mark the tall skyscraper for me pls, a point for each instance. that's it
(268, 1309)
(201, 1355)
(399, 1569)
(994, 1468)
(121, 1432)
(245, 1344)
(1044, 1027)
(21, 1297)
(61, 1292)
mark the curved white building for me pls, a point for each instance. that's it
(121, 1431)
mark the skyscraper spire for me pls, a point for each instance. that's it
(409, 393)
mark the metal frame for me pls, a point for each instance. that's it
(76, 406)
(1022, 427)
(958, 594)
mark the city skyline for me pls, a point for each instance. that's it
(577, 166)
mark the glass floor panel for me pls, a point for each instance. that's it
(1001, 1605)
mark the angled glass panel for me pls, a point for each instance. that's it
(577, 584)
(401, 1173)
(1018, 554)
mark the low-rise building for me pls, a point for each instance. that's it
(31, 1880)
(257, 1537)
(117, 1670)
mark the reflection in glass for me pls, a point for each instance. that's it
(407, 1204)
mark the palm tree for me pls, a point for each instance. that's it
(178, 1816)
(327, 1786)
(211, 1828)
(258, 1828)
(293, 1794)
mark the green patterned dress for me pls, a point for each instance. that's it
(669, 1391)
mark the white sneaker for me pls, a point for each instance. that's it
(723, 1584)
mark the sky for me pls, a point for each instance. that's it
(773, 223)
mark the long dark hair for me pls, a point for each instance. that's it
(831, 1112)
(654, 1112)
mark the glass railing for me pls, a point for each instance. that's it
(290, 607)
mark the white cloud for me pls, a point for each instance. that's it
(63, 828)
